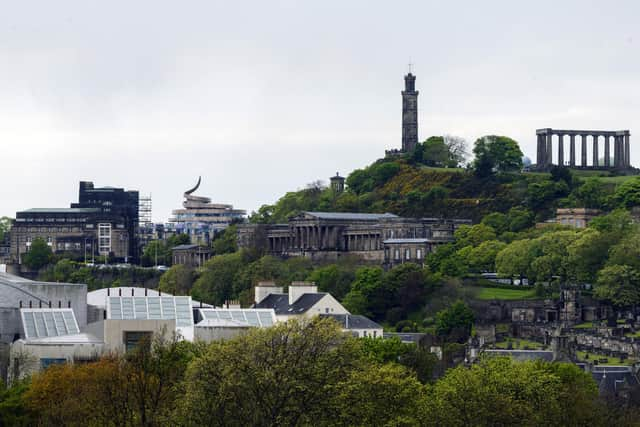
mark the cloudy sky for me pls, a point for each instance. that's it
(263, 97)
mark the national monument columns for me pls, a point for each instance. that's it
(620, 152)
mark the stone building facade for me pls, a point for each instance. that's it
(329, 235)
(103, 222)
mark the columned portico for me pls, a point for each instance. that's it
(620, 154)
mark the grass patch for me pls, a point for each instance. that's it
(506, 294)
(519, 344)
(585, 325)
(635, 334)
(453, 170)
(611, 361)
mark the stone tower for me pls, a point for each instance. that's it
(409, 114)
(337, 183)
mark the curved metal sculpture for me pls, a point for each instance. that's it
(194, 188)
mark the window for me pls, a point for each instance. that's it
(407, 254)
(326, 310)
(132, 339)
(104, 238)
(419, 253)
(46, 362)
(396, 254)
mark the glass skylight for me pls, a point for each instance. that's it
(250, 317)
(164, 308)
(48, 322)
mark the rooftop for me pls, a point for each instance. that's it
(61, 210)
(353, 321)
(280, 303)
(351, 216)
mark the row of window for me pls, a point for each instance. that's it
(397, 254)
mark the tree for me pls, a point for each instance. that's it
(473, 235)
(285, 375)
(496, 154)
(483, 257)
(215, 284)
(455, 320)
(5, 227)
(516, 259)
(587, 254)
(519, 218)
(391, 392)
(458, 150)
(335, 279)
(502, 391)
(367, 296)
(13, 409)
(227, 241)
(435, 152)
(39, 254)
(498, 221)
(628, 193)
(618, 284)
(592, 194)
(178, 280)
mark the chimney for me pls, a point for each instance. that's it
(264, 289)
(297, 289)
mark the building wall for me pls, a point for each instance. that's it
(209, 334)
(25, 357)
(114, 331)
(62, 293)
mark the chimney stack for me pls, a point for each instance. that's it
(264, 289)
(297, 289)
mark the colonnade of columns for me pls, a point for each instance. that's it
(363, 242)
(621, 148)
(319, 237)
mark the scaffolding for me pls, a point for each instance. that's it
(144, 212)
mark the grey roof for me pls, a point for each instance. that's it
(401, 241)
(98, 298)
(353, 321)
(183, 247)
(406, 337)
(280, 303)
(611, 378)
(13, 290)
(523, 355)
(61, 210)
(351, 216)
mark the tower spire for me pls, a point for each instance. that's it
(409, 113)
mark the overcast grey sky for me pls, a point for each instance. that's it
(263, 97)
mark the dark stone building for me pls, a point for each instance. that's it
(329, 235)
(409, 114)
(103, 222)
(190, 255)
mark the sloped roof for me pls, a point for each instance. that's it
(353, 321)
(13, 290)
(401, 241)
(280, 303)
(611, 379)
(351, 216)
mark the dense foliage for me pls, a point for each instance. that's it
(296, 374)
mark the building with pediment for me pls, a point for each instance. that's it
(382, 238)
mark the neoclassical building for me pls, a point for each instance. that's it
(382, 238)
(595, 149)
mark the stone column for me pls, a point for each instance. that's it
(595, 150)
(627, 151)
(549, 150)
(617, 151)
(606, 151)
(541, 146)
(583, 154)
(560, 149)
(572, 150)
